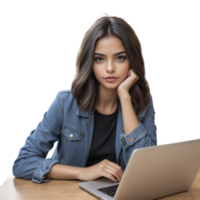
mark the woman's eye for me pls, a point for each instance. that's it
(121, 57)
(97, 58)
(117, 57)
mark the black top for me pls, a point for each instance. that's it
(103, 141)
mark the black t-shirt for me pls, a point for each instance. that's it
(103, 141)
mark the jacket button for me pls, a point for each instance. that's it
(71, 135)
(131, 140)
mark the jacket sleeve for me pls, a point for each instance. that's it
(144, 135)
(31, 162)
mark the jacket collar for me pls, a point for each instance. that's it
(88, 114)
(83, 113)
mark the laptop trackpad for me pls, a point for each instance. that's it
(100, 182)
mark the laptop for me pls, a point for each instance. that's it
(151, 173)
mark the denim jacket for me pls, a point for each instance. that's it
(73, 129)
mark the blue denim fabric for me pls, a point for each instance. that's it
(62, 120)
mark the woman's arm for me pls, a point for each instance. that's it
(59, 171)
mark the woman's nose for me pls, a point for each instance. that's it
(110, 67)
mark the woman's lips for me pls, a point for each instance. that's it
(110, 79)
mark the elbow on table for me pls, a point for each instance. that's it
(18, 172)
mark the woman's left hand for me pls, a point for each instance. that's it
(128, 82)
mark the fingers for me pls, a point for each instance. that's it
(109, 175)
(117, 167)
(113, 169)
(113, 172)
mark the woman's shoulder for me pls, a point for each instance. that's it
(65, 95)
(151, 104)
(65, 98)
(65, 92)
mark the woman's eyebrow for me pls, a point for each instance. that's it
(113, 55)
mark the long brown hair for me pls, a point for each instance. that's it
(85, 86)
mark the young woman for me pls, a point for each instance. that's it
(107, 114)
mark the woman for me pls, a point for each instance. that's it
(107, 114)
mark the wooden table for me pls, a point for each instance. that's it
(20, 189)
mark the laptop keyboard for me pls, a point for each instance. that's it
(111, 190)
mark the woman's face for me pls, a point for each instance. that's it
(109, 64)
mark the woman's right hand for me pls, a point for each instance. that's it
(104, 168)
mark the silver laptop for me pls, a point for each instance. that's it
(151, 173)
